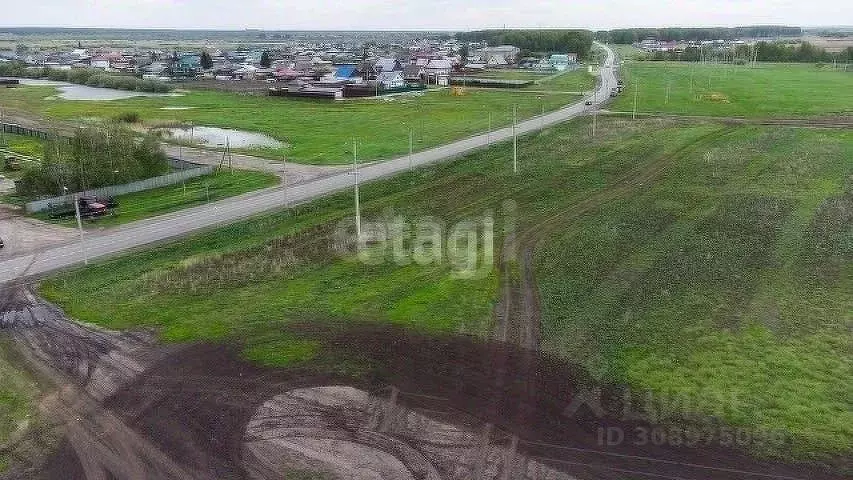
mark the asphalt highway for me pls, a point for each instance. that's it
(176, 224)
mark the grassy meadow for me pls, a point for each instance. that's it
(314, 131)
(722, 271)
(767, 90)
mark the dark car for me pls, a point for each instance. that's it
(1, 243)
(588, 102)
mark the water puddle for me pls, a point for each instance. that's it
(218, 137)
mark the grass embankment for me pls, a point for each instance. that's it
(768, 90)
(726, 274)
(139, 205)
(18, 393)
(315, 131)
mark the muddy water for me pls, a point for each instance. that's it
(218, 137)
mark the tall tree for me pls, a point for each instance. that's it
(265, 59)
(206, 60)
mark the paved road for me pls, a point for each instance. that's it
(158, 229)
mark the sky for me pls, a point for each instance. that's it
(420, 14)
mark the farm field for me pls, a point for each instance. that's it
(768, 90)
(196, 191)
(314, 132)
(685, 259)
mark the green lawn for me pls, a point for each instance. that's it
(196, 191)
(317, 132)
(725, 281)
(768, 90)
(24, 145)
(18, 394)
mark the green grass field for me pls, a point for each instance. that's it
(24, 145)
(721, 277)
(768, 90)
(314, 131)
(18, 393)
(136, 206)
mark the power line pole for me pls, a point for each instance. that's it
(489, 131)
(514, 139)
(355, 174)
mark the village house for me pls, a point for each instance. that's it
(391, 80)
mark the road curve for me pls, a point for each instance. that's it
(183, 222)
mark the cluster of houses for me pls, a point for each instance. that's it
(304, 69)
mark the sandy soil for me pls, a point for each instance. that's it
(26, 235)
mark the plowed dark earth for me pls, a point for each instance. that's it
(459, 408)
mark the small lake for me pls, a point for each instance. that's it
(218, 137)
(70, 91)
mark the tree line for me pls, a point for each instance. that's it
(84, 76)
(783, 52)
(628, 36)
(564, 41)
(96, 156)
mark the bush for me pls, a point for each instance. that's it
(128, 117)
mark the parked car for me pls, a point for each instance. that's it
(1, 243)
(588, 102)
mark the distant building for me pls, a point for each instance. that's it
(187, 66)
(387, 65)
(414, 74)
(562, 62)
(391, 80)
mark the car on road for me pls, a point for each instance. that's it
(588, 102)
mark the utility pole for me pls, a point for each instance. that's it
(594, 116)
(666, 100)
(514, 139)
(80, 228)
(489, 131)
(355, 174)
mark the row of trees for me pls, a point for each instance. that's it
(566, 41)
(84, 76)
(628, 36)
(766, 52)
(95, 156)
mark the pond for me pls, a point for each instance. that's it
(70, 91)
(218, 137)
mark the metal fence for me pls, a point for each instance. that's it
(19, 130)
(114, 190)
